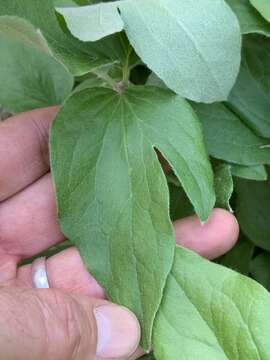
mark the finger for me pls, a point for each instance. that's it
(24, 149)
(28, 220)
(50, 324)
(60, 276)
(212, 239)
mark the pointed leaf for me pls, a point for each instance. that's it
(167, 35)
(112, 192)
(93, 22)
(229, 139)
(210, 312)
(79, 57)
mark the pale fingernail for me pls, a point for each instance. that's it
(118, 331)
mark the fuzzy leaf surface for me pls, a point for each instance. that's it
(189, 44)
(112, 192)
(93, 22)
(209, 312)
(33, 78)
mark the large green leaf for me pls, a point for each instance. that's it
(93, 22)
(112, 192)
(229, 139)
(253, 210)
(263, 6)
(250, 98)
(32, 78)
(189, 44)
(79, 57)
(250, 20)
(260, 269)
(209, 312)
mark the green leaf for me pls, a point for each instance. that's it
(256, 172)
(263, 6)
(239, 257)
(253, 210)
(229, 139)
(210, 312)
(32, 78)
(260, 269)
(249, 19)
(112, 192)
(22, 31)
(148, 357)
(167, 35)
(79, 57)
(93, 22)
(250, 97)
(223, 186)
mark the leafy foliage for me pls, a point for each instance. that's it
(115, 202)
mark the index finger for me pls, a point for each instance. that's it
(24, 149)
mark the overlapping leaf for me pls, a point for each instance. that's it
(34, 78)
(223, 186)
(113, 198)
(79, 57)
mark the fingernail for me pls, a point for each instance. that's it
(118, 331)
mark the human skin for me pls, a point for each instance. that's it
(70, 320)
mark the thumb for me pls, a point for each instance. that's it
(50, 324)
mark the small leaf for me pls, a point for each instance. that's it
(167, 35)
(93, 22)
(260, 269)
(250, 97)
(250, 20)
(253, 211)
(32, 78)
(256, 172)
(239, 257)
(263, 6)
(211, 312)
(112, 192)
(223, 186)
(227, 138)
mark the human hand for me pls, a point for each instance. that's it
(61, 324)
